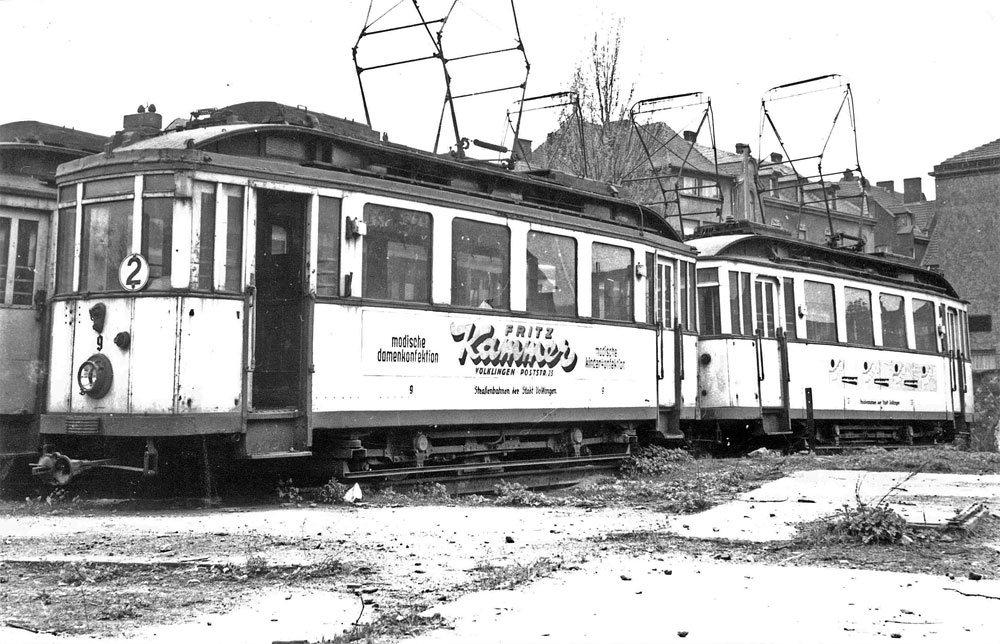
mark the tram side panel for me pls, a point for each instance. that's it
(19, 373)
(19, 366)
(487, 369)
(856, 384)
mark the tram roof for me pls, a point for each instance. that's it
(539, 189)
(806, 255)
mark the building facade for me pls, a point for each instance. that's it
(965, 242)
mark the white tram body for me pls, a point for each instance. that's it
(285, 283)
(852, 347)
(29, 154)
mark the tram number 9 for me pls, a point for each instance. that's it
(100, 343)
(411, 389)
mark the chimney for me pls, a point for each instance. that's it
(912, 190)
(775, 157)
(848, 175)
(742, 147)
(887, 185)
(690, 137)
(522, 150)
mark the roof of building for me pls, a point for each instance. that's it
(987, 151)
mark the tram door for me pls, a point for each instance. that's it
(278, 303)
(770, 378)
(668, 358)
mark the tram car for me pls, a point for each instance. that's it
(30, 152)
(268, 282)
(799, 340)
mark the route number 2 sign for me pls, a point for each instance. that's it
(133, 272)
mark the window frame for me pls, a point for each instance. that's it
(828, 325)
(900, 328)
(628, 305)
(504, 279)
(919, 337)
(428, 261)
(709, 293)
(573, 273)
(849, 317)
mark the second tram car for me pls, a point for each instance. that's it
(268, 282)
(802, 340)
(30, 152)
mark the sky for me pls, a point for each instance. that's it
(921, 75)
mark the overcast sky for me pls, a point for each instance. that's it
(922, 74)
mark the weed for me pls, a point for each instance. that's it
(493, 577)
(431, 491)
(332, 492)
(654, 460)
(256, 565)
(869, 524)
(73, 574)
(287, 492)
(516, 494)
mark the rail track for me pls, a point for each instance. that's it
(482, 477)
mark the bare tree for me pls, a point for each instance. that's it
(612, 151)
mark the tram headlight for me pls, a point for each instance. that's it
(94, 376)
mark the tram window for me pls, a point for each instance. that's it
(64, 250)
(396, 254)
(734, 302)
(234, 239)
(157, 239)
(480, 264)
(158, 183)
(740, 313)
(788, 290)
(105, 240)
(746, 303)
(764, 291)
(664, 294)
(67, 193)
(4, 252)
(709, 312)
(821, 312)
(206, 240)
(893, 321)
(611, 282)
(650, 292)
(328, 248)
(963, 331)
(279, 240)
(551, 279)
(688, 295)
(24, 263)
(858, 308)
(108, 187)
(924, 325)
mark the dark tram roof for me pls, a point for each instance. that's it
(37, 134)
(740, 240)
(356, 148)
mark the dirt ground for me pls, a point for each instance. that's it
(162, 571)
